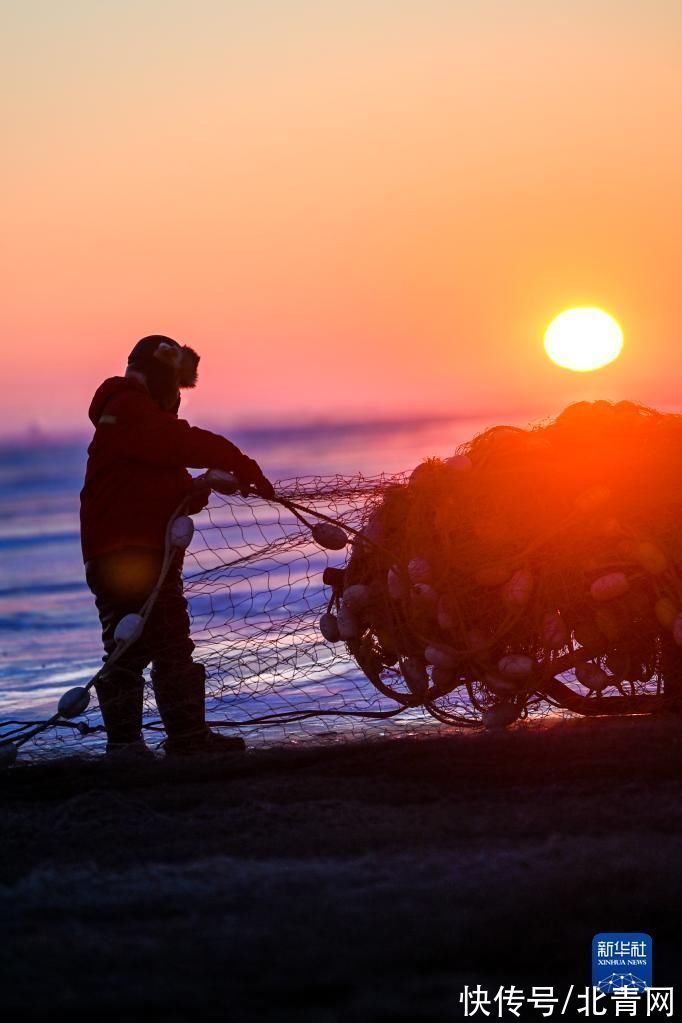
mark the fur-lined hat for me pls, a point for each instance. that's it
(167, 366)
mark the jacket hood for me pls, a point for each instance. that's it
(106, 391)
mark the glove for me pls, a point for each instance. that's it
(250, 474)
(198, 496)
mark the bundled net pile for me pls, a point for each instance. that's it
(534, 568)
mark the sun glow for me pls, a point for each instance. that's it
(583, 339)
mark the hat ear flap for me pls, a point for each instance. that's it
(188, 367)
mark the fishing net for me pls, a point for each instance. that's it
(534, 569)
(256, 581)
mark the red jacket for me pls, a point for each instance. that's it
(136, 474)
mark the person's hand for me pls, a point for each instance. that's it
(250, 474)
(198, 496)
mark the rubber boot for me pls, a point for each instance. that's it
(181, 699)
(120, 694)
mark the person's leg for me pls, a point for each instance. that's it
(121, 583)
(180, 682)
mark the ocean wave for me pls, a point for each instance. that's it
(35, 539)
(42, 589)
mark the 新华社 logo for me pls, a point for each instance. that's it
(622, 960)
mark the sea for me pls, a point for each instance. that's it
(49, 632)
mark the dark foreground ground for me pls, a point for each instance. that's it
(365, 882)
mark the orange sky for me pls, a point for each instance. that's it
(346, 207)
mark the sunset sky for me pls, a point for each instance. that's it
(350, 207)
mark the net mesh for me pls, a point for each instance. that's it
(254, 578)
(535, 569)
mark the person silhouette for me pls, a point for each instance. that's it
(135, 479)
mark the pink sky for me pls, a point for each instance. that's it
(353, 208)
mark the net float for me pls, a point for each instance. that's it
(516, 665)
(329, 536)
(591, 676)
(610, 586)
(501, 716)
(651, 558)
(181, 532)
(129, 628)
(334, 577)
(348, 624)
(517, 591)
(497, 682)
(424, 470)
(441, 656)
(222, 482)
(415, 674)
(459, 463)
(73, 702)
(329, 627)
(666, 612)
(419, 570)
(356, 597)
(554, 633)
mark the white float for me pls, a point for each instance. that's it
(181, 532)
(419, 570)
(74, 702)
(222, 482)
(591, 676)
(129, 628)
(517, 666)
(610, 586)
(329, 627)
(329, 536)
(501, 716)
(356, 597)
(441, 656)
(415, 674)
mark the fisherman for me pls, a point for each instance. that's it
(136, 478)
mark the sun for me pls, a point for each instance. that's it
(583, 339)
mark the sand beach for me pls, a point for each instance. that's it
(363, 881)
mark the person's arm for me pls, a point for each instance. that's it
(143, 432)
